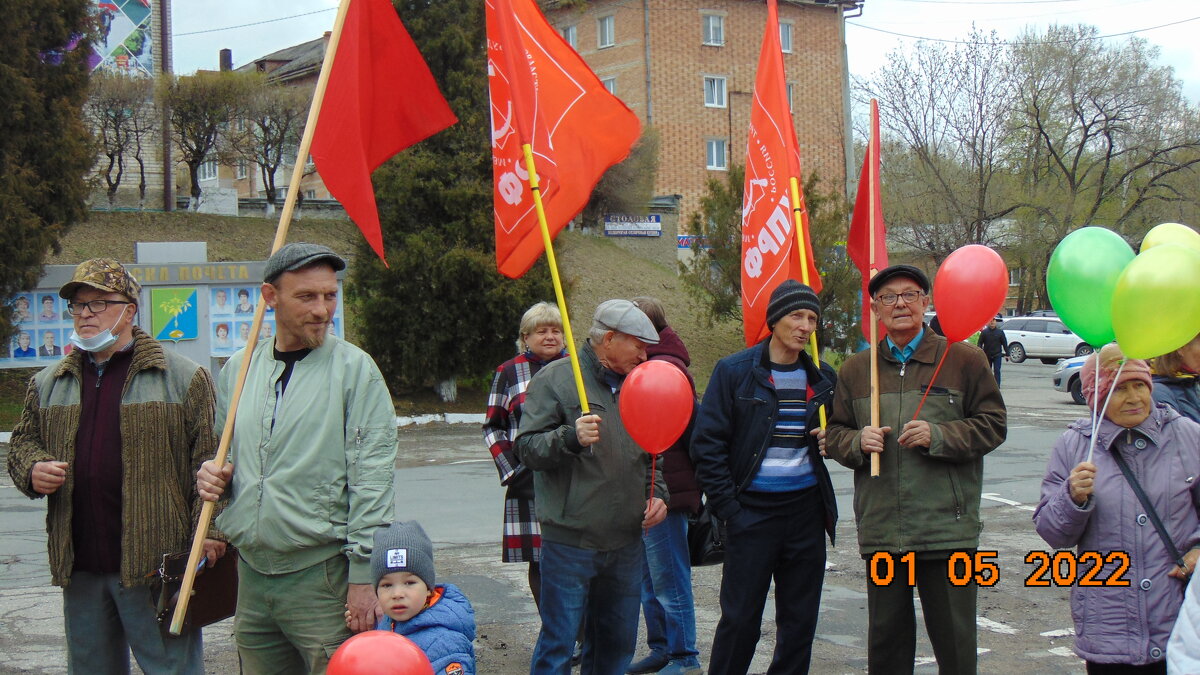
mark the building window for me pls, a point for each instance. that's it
(605, 34)
(242, 168)
(714, 29)
(791, 94)
(207, 170)
(716, 159)
(310, 194)
(1014, 276)
(569, 34)
(610, 83)
(785, 37)
(714, 92)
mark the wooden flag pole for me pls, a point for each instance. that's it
(798, 215)
(285, 220)
(871, 201)
(558, 291)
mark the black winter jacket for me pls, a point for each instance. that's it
(735, 423)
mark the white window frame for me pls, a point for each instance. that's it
(606, 31)
(791, 95)
(715, 91)
(208, 170)
(571, 35)
(610, 83)
(712, 29)
(716, 154)
(242, 168)
(788, 29)
(310, 194)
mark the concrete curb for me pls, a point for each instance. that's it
(401, 421)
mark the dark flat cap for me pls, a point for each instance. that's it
(887, 274)
(300, 254)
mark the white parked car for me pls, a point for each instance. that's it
(1066, 378)
(1041, 337)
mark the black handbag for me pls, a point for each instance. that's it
(706, 538)
(214, 592)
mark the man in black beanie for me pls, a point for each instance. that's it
(757, 459)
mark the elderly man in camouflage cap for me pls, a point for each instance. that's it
(110, 436)
(313, 455)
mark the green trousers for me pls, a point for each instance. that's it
(291, 623)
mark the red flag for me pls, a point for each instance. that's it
(866, 227)
(770, 250)
(543, 94)
(381, 98)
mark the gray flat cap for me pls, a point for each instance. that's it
(300, 254)
(624, 317)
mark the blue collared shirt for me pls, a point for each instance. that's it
(903, 355)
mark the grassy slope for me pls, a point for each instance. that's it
(594, 268)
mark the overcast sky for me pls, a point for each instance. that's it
(225, 25)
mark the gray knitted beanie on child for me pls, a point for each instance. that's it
(402, 547)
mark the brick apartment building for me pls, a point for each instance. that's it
(687, 67)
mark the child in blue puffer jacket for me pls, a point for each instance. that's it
(437, 618)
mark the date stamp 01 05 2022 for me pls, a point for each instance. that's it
(1058, 568)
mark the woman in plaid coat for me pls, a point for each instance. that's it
(540, 342)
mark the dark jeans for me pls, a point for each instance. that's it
(786, 543)
(949, 617)
(996, 361)
(603, 585)
(105, 620)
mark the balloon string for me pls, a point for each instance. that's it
(653, 464)
(931, 381)
(1111, 389)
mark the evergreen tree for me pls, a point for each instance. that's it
(714, 275)
(441, 310)
(45, 148)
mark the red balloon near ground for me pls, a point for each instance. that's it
(379, 652)
(656, 405)
(969, 290)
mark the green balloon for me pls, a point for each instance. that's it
(1156, 305)
(1081, 278)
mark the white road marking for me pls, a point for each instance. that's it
(1060, 633)
(1064, 651)
(993, 497)
(995, 626)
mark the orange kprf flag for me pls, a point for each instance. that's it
(770, 250)
(543, 94)
(381, 98)
(867, 231)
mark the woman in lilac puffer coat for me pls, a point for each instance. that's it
(1091, 507)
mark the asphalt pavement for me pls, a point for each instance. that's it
(445, 479)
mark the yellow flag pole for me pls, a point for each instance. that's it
(558, 291)
(285, 221)
(798, 214)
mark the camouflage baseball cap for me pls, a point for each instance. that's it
(104, 274)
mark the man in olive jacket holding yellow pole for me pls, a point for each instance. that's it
(921, 514)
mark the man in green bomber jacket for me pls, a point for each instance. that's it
(110, 436)
(310, 477)
(924, 505)
(593, 494)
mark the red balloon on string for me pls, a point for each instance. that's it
(656, 405)
(969, 290)
(379, 652)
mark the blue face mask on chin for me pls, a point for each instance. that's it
(100, 341)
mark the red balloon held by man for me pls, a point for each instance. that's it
(969, 290)
(379, 652)
(656, 405)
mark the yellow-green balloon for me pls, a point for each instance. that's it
(1171, 233)
(1156, 303)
